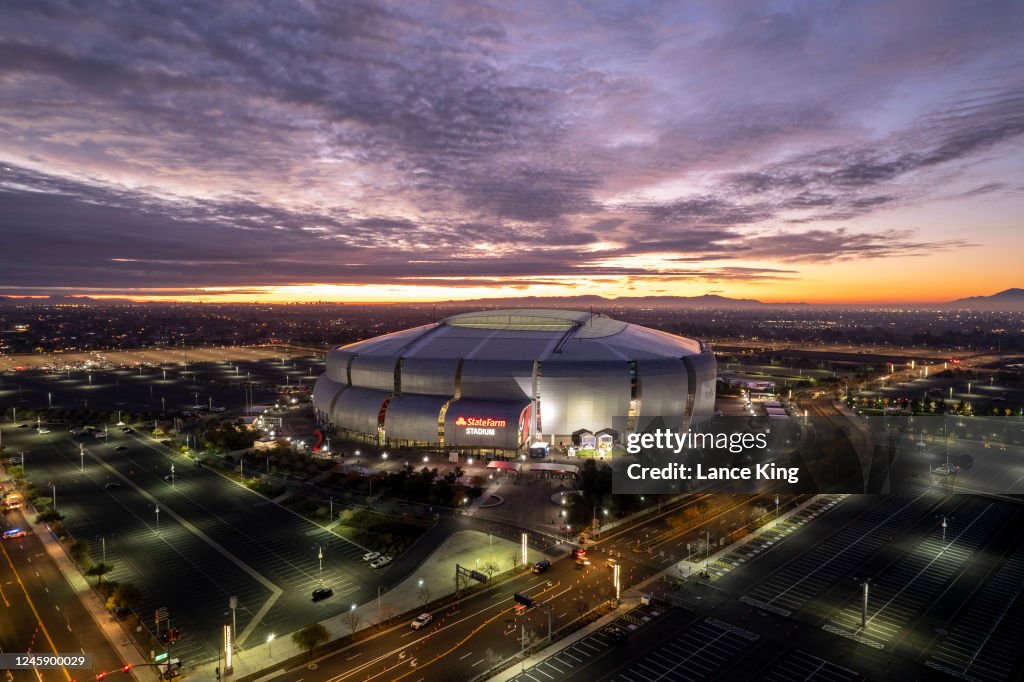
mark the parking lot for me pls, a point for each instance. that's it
(901, 592)
(156, 389)
(800, 665)
(985, 643)
(776, 533)
(214, 539)
(794, 585)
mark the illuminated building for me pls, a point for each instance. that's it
(498, 380)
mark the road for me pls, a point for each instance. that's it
(467, 639)
(42, 613)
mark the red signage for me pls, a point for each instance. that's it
(480, 421)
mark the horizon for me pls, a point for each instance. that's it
(385, 153)
(488, 300)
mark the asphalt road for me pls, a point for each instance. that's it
(41, 612)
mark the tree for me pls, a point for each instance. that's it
(98, 571)
(310, 637)
(49, 516)
(490, 568)
(581, 606)
(351, 619)
(79, 551)
(424, 594)
(127, 596)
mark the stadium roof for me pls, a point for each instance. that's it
(527, 334)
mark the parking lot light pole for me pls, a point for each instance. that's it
(270, 638)
(157, 508)
(320, 557)
(707, 552)
(81, 454)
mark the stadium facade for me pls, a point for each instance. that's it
(499, 380)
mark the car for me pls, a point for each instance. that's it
(370, 556)
(614, 632)
(541, 566)
(22, 426)
(611, 563)
(15, 460)
(77, 432)
(321, 593)
(380, 562)
(582, 563)
(171, 477)
(127, 429)
(14, 533)
(421, 620)
(100, 434)
(44, 430)
(120, 448)
(218, 409)
(113, 485)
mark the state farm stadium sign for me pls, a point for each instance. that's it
(480, 426)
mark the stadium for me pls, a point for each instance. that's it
(499, 381)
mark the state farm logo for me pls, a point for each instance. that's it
(488, 422)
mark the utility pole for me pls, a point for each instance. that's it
(522, 647)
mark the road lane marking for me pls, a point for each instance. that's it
(33, 607)
(466, 656)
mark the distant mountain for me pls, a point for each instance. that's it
(591, 300)
(1009, 300)
(58, 299)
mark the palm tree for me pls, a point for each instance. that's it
(99, 570)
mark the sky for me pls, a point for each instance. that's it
(346, 151)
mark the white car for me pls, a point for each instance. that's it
(380, 562)
(370, 556)
(421, 620)
(44, 430)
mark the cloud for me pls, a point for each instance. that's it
(189, 144)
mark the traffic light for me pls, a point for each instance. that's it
(176, 634)
(165, 636)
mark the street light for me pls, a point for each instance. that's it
(707, 552)
(270, 649)
(320, 557)
(157, 509)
